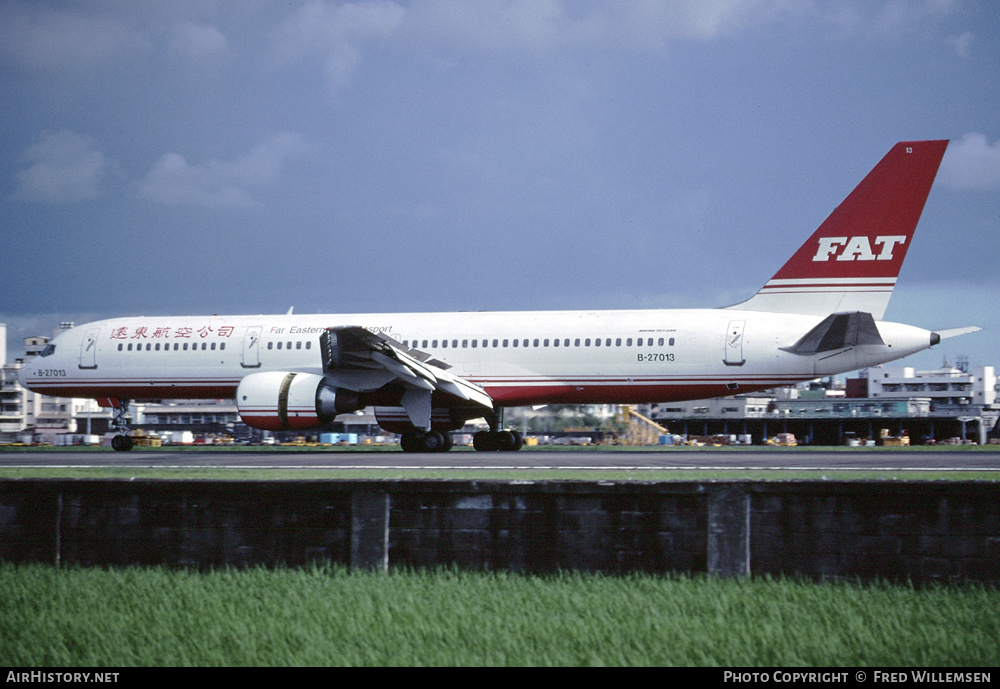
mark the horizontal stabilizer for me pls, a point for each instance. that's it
(838, 331)
(955, 332)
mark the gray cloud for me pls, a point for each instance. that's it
(972, 162)
(334, 33)
(62, 168)
(37, 38)
(218, 183)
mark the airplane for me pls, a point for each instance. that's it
(427, 374)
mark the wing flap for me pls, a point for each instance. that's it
(351, 348)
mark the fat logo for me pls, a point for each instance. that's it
(857, 248)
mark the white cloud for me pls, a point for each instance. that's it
(882, 16)
(63, 168)
(503, 26)
(216, 183)
(37, 38)
(962, 43)
(971, 163)
(195, 43)
(508, 26)
(335, 33)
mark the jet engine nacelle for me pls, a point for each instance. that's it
(283, 401)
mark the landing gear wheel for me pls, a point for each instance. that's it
(431, 441)
(408, 442)
(497, 441)
(518, 440)
(484, 441)
(505, 441)
(122, 443)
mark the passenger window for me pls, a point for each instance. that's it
(546, 342)
(597, 342)
(536, 343)
(661, 341)
(505, 343)
(149, 347)
(474, 343)
(515, 343)
(119, 346)
(586, 343)
(576, 343)
(308, 344)
(213, 346)
(628, 342)
(496, 343)
(454, 343)
(555, 342)
(270, 345)
(298, 345)
(465, 343)
(279, 345)
(618, 342)
(566, 342)
(157, 346)
(671, 342)
(130, 346)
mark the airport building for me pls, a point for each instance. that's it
(951, 404)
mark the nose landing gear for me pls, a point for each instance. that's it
(123, 441)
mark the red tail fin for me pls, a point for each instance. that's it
(851, 262)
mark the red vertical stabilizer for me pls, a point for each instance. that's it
(851, 262)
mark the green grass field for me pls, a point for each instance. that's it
(328, 616)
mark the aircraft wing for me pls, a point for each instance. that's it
(355, 348)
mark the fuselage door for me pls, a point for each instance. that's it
(251, 346)
(88, 348)
(734, 344)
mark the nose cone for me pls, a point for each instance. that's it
(935, 339)
(22, 375)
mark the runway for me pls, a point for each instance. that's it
(861, 459)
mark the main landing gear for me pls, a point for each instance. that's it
(497, 441)
(123, 441)
(494, 440)
(429, 441)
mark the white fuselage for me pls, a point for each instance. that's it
(518, 358)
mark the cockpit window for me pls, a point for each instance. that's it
(49, 349)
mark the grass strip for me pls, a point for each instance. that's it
(331, 616)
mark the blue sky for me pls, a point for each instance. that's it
(237, 156)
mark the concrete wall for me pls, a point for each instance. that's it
(897, 530)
